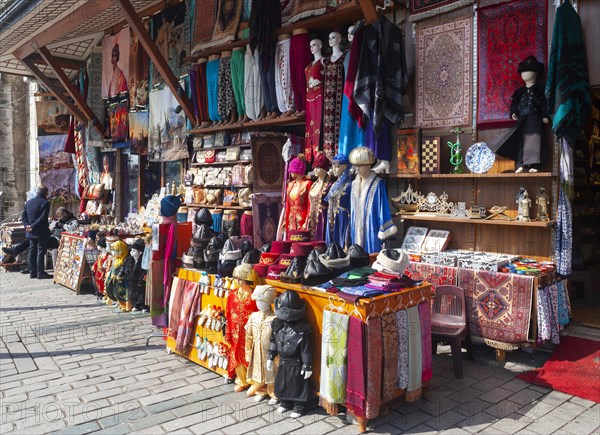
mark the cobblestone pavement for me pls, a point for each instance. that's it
(69, 365)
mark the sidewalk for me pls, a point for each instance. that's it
(70, 365)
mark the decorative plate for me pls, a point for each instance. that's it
(479, 158)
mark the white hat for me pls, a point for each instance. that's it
(264, 293)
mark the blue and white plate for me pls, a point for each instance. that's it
(479, 158)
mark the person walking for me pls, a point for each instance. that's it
(35, 219)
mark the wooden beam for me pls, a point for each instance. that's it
(369, 11)
(70, 22)
(53, 89)
(71, 89)
(159, 61)
(61, 61)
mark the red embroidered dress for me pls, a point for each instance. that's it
(314, 108)
(296, 204)
(100, 269)
(239, 307)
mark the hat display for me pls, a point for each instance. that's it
(301, 249)
(261, 269)
(299, 236)
(138, 245)
(340, 159)
(392, 261)
(274, 271)
(251, 257)
(226, 267)
(229, 253)
(335, 257)
(203, 233)
(244, 272)
(321, 161)
(268, 258)
(169, 205)
(358, 256)
(285, 259)
(264, 293)
(289, 307)
(314, 254)
(531, 64)
(316, 273)
(203, 217)
(293, 273)
(362, 156)
(281, 246)
(297, 165)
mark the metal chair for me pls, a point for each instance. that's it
(449, 323)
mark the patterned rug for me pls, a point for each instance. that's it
(229, 13)
(420, 9)
(267, 164)
(302, 9)
(434, 274)
(266, 208)
(444, 74)
(508, 33)
(498, 304)
(205, 12)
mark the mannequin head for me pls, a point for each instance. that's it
(321, 163)
(334, 39)
(264, 295)
(350, 33)
(315, 48)
(362, 158)
(135, 254)
(338, 169)
(363, 171)
(529, 77)
(320, 173)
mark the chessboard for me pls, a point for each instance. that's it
(430, 156)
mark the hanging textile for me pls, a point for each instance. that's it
(543, 316)
(332, 104)
(567, 85)
(415, 361)
(390, 356)
(155, 293)
(175, 304)
(374, 346)
(563, 303)
(355, 386)
(402, 358)
(333, 360)
(425, 318)
(185, 326)
(563, 235)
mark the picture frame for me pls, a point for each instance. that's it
(430, 155)
(409, 151)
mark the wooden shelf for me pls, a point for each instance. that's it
(217, 49)
(420, 217)
(229, 163)
(219, 207)
(487, 175)
(275, 122)
(245, 145)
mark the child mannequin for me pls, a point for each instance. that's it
(258, 335)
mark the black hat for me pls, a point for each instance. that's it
(316, 273)
(203, 217)
(229, 253)
(225, 268)
(204, 233)
(139, 245)
(293, 274)
(213, 250)
(223, 238)
(289, 307)
(531, 64)
(358, 256)
(314, 255)
(265, 248)
(335, 257)
(251, 257)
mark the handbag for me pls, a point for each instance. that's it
(199, 177)
(209, 156)
(246, 155)
(200, 157)
(229, 197)
(237, 175)
(209, 140)
(197, 143)
(221, 156)
(188, 178)
(213, 196)
(245, 197)
(232, 154)
(199, 195)
(248, 175)
(221, 139)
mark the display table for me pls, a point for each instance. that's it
(317, 301)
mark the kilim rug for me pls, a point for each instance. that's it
(444, 74)
(266, 208)
(420, 9)
(508, 33)
(498, 304)
(205, 12)
(267, 164)
(573, 368)
(229, 13)
(302, 9)
(434, 274)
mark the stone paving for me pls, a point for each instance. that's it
(70, 365)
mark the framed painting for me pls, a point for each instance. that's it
(408, 151)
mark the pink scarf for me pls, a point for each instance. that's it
(355, 386)
(187, 315)
(425, 317)
(374, 345)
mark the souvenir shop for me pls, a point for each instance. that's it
(287, 187)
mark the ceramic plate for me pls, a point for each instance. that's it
(479, 158)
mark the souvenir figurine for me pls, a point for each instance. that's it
(542, 202)
(524, 143)
(291, 341)
(258, 337)
(240, 306)
(137, 282)
(370, 218)
(101, 268)
(524, 205)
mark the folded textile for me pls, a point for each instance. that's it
(360, 290)
(347, 282)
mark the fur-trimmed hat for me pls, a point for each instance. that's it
(335, 257)
(289, 307)
(392, 261)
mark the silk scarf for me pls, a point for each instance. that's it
(355, 386)
(415, 362)
(190, 300)
(390, 356)
(333, 360)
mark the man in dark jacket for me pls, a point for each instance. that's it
(35, 219)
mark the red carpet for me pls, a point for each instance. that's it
(574, 368)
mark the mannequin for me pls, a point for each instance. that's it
(319, 189)
(370, 220)
(296, 202)
(258, 337)
(212, 88)
(291, 341)
(283, 86)
(137, 284)
(101, 268)
(314, 100)
(225, 99)
(239, 308)
(332, 99)
(525, 143)
(338, 198)
(117, 280)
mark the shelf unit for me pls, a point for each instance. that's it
(449, 219)
(219, 207)
(226, 163)
(239, 126)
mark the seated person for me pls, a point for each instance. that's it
(66, 222)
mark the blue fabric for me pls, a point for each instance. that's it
(338, 212)
(351, 135)
(382, 144)
(563, 308)
(212, 88)
(563, 236)
(217, 222)
(360, 290)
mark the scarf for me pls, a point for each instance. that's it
(333, 360)
(175, 305)
(189, 302)
(355, 386)
(353, 61)
(402, 325)
(390, 356)
(425, 316)
(563, 303)
(415, 362)
(373, 344)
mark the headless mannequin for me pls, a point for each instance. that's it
(205, 123)
(283, 37)
(300, 32)
(216, 123)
